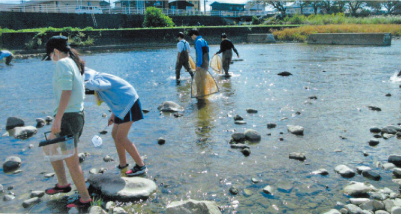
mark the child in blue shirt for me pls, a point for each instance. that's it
(8, 55)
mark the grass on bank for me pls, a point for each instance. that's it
(300, 34)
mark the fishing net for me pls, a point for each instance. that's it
(203, 84)
(216, 64)
(192, 64)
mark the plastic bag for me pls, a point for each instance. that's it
(97, 141)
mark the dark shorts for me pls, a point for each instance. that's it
(134, 114)
(72, 123)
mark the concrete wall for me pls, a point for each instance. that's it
(261, 38)
(377, 39)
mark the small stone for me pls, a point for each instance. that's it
(238, 137)
(93, 171)
(374, 108)
(377, 136)
(239, 146)
(12, 163)
(119, 210)
(246, 151)
(388, 95)
(296, 130)
(30, 146)
(13, 122)
(281, 139)
(240, 122)
(49, 175)
(313, 97)
(371, 175)
(161, 141)
(320, 172)
(8, 197)
(268, 189)
(255, 180)
(177, 114)
(38, 194)
(373, 142)
(1, 188)
(284, 74)
(234, 190)
(145, 111)
(104, 115)
(81, 157)
(375, 130)
(110, 205)
(49, 119)
(30, 202)
(297, 156)
(361, 169)
(102, 170)
(237, 117)
(108, 158)
(251, 110)
(103, 132)
(271, 125)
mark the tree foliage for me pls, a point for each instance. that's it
(155, 18)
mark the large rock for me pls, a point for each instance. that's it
(395, 159)
(372, 205)
(24, 132)
(170, 106)
(332, 211)
(192, 207)
(391, 130)
(252, 135)
(122, 188)
(238, 136)
(30, 202)
(11, 164)
(13, 122)
(371, 175)
(344, 171)
(356, 189)
(297, 130)
(40, 122)
(353, 209)
(97, 210)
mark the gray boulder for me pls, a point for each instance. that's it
(344, 171)
(357, 189)
(371, 175)
(252, 135)
(332, 211)
(238, 137)
(353, 209)
(23, 132)
(11, 164)
(122, 188)
(397, 172)
(170, 106)
(391, 129)
(96, 210)
(372, 205)
(388, 166)
(13, 122)
(320, 172)
(297, 130)
(30, 202)
(396, 210)
(297, 156)
(193, 207)
(395, 159)
(358, 201)
(361, 169)
(40, 123)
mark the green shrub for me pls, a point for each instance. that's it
(155, 18)
(255, 20)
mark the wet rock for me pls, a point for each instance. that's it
(252, 135)
(297, 130)
(239, 146)
(108, 158)
(81, 157)
(365, 153)
(285, 187)
(375, 130)
(372, 205)
(374, 108)
(371, 175)
(332, 211)
(1, 188)
(387, 136)
(320, 172)
(110, 205)
(234, 190)
(24, 132)
(170, 106)
(255, 180)
(246, 151)
(344, 171)
(238, 137)
(388, 95)
(358, 201)
(398, 134)
(240, 122)
(247, 192)
(122, 188)
(390, 129)
(102, 170)
(377, 136)
(251, 110)
(103, 132)
(378, 196)
(40, 123)
(353, 209)
(93, 171)
(30, 146)
(297, 156)
(373, 142)
(6, 134)
(237, 117)
(268, 189)
(395, 159)
(313, 97)
(396, 210)
(397, 172)
(38, 194)
(358, 189)
(49, 175)
(145, 111)
(49, 119)
(30, 202)
(104, 115)
(119, 210)
(96, 210)
(388, 166)
(281, 139)
(361, 169)
(388, 204)
(161, 141)
(12, 163)
(284, 74)
(193, 207)
(178, 114)
(13, 122)
(8, 197)
(271, 125)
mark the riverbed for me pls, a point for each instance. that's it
(196, 161)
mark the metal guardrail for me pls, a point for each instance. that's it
(45, 8)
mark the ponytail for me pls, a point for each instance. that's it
(75, 56)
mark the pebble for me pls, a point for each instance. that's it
(30, 202)
(108, 158)
(8, 197)
(38, 194)
(104, 115)
(161, 141)
(246, 151)
(234, 190)
(240, 122)
(49, 175)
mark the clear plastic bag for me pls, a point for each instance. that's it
(58, 148)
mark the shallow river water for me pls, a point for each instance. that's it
(187, 167)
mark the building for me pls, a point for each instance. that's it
(181, 5)
(196, 3)
(52, 6)
(295, 8)
(255, 7)
(216, 6)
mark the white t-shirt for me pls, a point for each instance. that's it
(4, 53)
(180, 46)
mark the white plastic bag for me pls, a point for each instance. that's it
(97, 141)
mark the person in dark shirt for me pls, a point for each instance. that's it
(226, 47)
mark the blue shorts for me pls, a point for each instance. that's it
(134, 114)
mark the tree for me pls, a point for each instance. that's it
(327, 5)
(391, 6)
(374, 5)
(315, 5)
(338, 6)
(155, 18)
(279, 5)
(354, 6)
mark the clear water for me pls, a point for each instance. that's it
(186, 167)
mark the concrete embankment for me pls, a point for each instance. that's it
(261, 38)
(136, 38)
(375, 39)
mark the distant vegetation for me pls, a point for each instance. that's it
(154, 17)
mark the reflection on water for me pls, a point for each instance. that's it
(196, 161)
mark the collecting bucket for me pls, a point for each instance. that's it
(58, 148)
